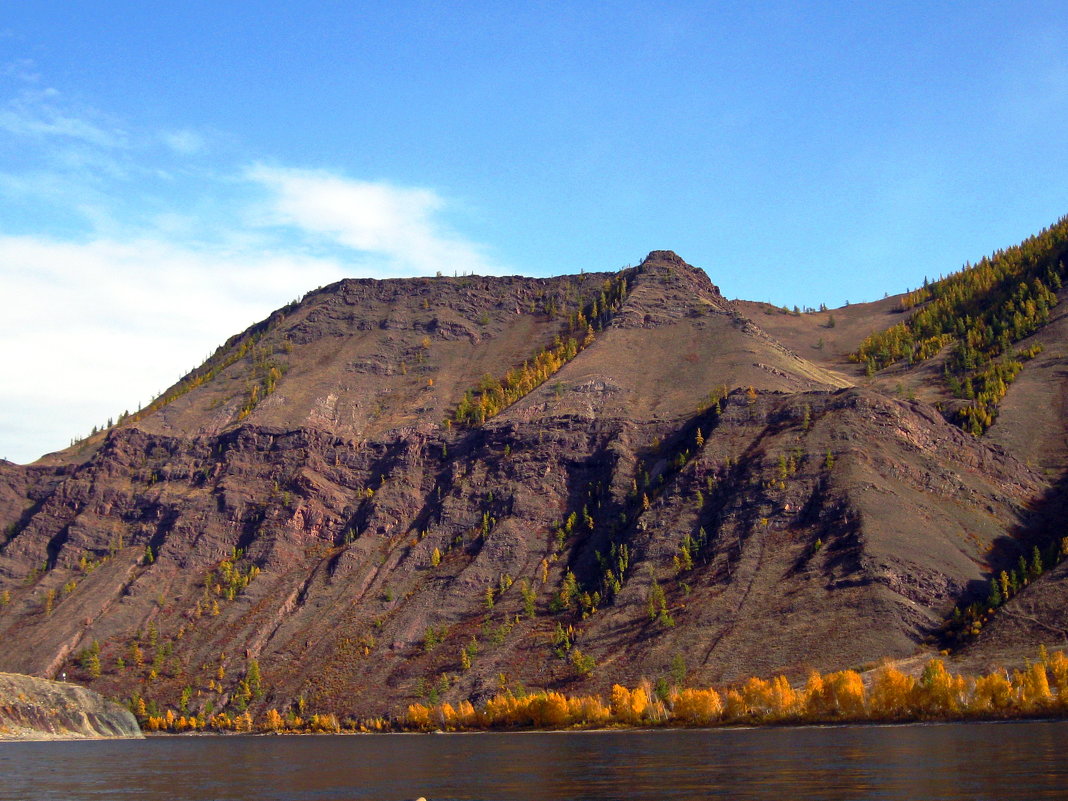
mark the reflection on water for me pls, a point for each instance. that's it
(952, 761)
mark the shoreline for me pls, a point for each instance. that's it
(29, 736)
(617, 729)
(60, 738)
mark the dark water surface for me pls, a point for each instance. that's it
(951, 761)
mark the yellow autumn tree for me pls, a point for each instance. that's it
(756, 693)
(785, 700)
(836, 695)
(272, 720)
(734, 706)
(991, 693)
(588, 709)
(445, 714)
(1032, 687)
(939, 692)
(628, 705)
(548, 709)
(418, 716)
(1057, 670)
(892, 693)
(697, 707)
(639, 702)
(812, 695)
(620, 702)
(465, 714)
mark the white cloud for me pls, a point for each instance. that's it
(96, 326)
(398, 223)
(170, 261)
(93, 328)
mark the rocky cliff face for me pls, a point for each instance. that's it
(36, 709)
(685, 493)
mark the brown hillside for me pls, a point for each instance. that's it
(1033, 418)
(687, 489)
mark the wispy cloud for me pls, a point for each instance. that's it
(400, 224)
(24, 69)
(121, 267)
(39, 113)
(186, 142)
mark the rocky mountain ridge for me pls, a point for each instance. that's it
(684, 493)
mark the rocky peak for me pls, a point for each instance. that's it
(667, 288)
(667, 257)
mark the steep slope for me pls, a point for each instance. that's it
(307, 517)
(1032, 418)
(363, 357)
(675, 341)
(36, 709)
(1036, 616)
(831, 337)
(826, 337)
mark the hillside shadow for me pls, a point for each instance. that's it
(1042, 528)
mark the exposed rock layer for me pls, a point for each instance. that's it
(38, 709)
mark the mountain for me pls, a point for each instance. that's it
(441, 486)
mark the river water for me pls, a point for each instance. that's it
(946, 761)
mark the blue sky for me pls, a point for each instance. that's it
(170, 173)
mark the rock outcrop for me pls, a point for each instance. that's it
(38, 709)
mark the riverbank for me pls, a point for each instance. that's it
(886, 695)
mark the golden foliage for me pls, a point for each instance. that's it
(892, 692)
(697, 707)
(937, 694)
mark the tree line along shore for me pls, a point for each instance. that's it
(1040, 689)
